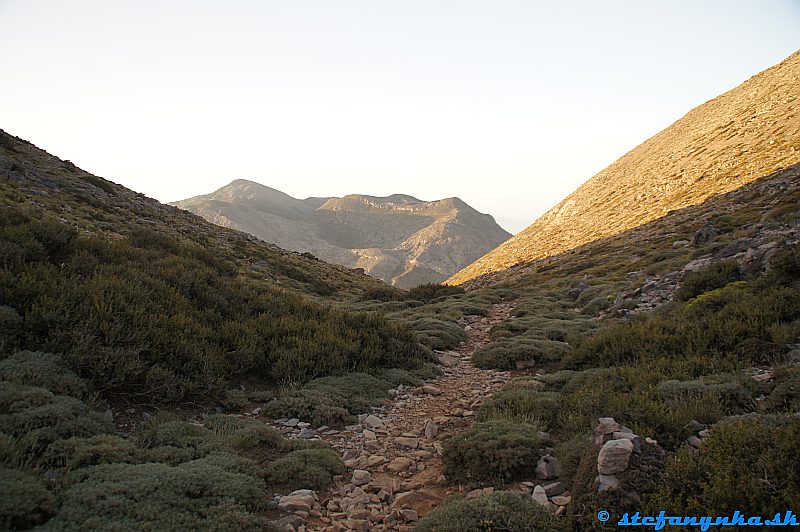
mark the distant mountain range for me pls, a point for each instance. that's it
(734, 139)
(400, 239)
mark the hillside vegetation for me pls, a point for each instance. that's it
(742, 135)
(685, 331)
(152, 303)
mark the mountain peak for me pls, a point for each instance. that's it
(399, 238)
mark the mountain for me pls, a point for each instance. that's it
(400, 239)
(746, 133)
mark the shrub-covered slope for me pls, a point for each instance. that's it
(156, 304)
(686, 330)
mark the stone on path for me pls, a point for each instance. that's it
(405, 441)
(361, 477)
(431, 429)
(374, 422)
(400, 464)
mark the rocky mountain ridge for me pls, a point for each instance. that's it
(399, 238)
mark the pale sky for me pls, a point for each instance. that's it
(509, 105)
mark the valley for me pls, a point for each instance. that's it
(636, 349)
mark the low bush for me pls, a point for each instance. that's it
(502, 510)
(24, 501)
(333, 401)
(506, 352)
(235, 400)
(786, 395)
(195, 495)
(522, 405)
(41, 369)
(429, 292)
(747, 463)
(493, 452)
(305, 469)
(74, 453)
(35, 418)
(557, 380)
(436, 332)
(734, 393)
(715, 276)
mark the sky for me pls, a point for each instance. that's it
(508, 104)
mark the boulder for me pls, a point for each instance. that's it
(636, 440)
(296, 503)
(361, 477)
(561, 500)
(606, 482)
(400, 464)
(614, 456)
(539, 495)
(405, 441)
(704, 235)
(431, 429)
(374, 422)
(548, 468)
(555, 488)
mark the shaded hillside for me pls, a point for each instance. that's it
(154, 303)
(744, 134)
(400, 239)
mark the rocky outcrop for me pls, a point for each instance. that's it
(400, 239)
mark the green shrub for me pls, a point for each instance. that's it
(558, 379)
(41, 369)
(24, 501)
(313, 407)
(74, 453)
(522, 405)
(429, 292)
(35, 418)
(194, 495)
(506, 352)
(785, 267)
(437, 332)
(255, 438)
(786, 395)
(175, 442)
(624, 393)
(715, 276)
(331, 401)
(305, 469)
(11, 324)
(492, 452)
(502, 510)
(747, 463)
(235, 400)
(596, 306)
(734, 393)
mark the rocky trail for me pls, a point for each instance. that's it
(395, 472)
